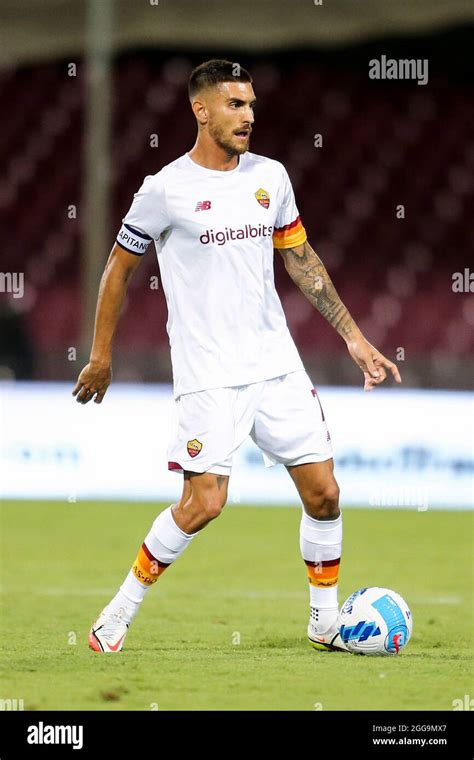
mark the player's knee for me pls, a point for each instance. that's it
(323, 503)
(211, 507)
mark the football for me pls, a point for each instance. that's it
(375, 621)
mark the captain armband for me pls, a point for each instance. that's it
(132, 240)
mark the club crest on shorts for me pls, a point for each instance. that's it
(263, 197)
(194, 447)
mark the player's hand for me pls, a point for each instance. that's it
(373, 364)
(94, 380)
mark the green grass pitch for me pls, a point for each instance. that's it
(224, 628)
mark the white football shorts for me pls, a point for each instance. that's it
(283, 416)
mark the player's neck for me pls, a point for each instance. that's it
(211, 156)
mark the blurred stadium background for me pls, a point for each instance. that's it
(94, 98)
(384, 144)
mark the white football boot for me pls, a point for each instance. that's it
(109, 631)
(330, 640)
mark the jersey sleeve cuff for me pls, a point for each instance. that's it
(133, 240)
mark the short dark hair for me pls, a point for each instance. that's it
(211, 73)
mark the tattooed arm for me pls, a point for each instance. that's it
(308, 272)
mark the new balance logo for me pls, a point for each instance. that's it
(362, 631)
(203, 206)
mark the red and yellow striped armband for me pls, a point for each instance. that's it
(290, 235)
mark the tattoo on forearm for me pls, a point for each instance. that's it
(308, 272)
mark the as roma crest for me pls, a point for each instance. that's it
(194, 447)
(263, 197)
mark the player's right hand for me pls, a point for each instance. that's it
(93, 381)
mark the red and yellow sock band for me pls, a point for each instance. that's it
(324, 573)
(146, 568)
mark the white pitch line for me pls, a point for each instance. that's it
(436, 600)
(63, 592)
(302, 595)
(257, 594)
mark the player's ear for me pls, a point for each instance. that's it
(200, 111)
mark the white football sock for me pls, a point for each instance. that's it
(321, 545)
(165, 542)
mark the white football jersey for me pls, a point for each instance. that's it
(214, 233)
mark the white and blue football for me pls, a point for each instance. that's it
(375, 621)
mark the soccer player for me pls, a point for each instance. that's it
(215, 215)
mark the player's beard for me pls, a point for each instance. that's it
(219, 136)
